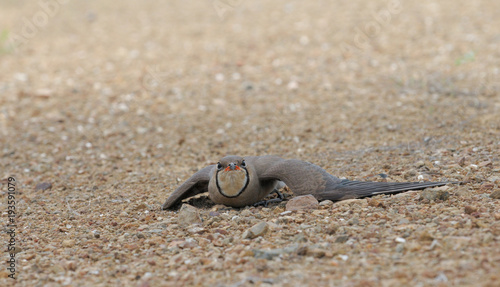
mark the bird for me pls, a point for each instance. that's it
(237, 181)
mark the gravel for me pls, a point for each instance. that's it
(107, 107)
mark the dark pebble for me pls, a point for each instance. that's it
(342, 239)
(43, 186)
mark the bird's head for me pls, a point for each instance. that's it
(231, 176)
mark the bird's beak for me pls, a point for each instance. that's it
(232, 166)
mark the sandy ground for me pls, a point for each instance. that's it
(114, 104)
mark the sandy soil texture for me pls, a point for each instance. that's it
(107, 106)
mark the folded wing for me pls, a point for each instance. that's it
(300, 176)
(307, 178)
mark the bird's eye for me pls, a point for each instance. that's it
(243, 163)
(219, 166)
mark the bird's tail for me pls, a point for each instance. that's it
(348, 189)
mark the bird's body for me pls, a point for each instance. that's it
(239, 181)
(255, 190)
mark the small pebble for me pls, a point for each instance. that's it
(43, 186)
(495, 194)
(494, 178)
(470, 209)
(419, 164)
(315, 252)
(425, 236)
(353, 221)
(270, 254)
(299, 238)
(400, 240)
(188, 215)
(400, 247)
(434, 194)
(326, 203)
(16, 250)
(257, 230)
(441, 278)
(68, 243)
(303, 202)
(71, 265)
(342, 239)
(403, 221)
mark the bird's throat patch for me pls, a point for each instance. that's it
(232, 183)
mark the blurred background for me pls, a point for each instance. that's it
(115, 102)
(241, 76)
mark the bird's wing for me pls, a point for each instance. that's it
(300, 176)
(197, 183)
(307, 178)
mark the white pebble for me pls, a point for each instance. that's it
(22, 77)
(236, 76)
(293, 85)
(434, 244)
(304, 40)
(219, 77)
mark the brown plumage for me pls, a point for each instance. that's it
(239, 181)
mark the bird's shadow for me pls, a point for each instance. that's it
(202, 201)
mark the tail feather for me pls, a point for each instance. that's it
(347, 189)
